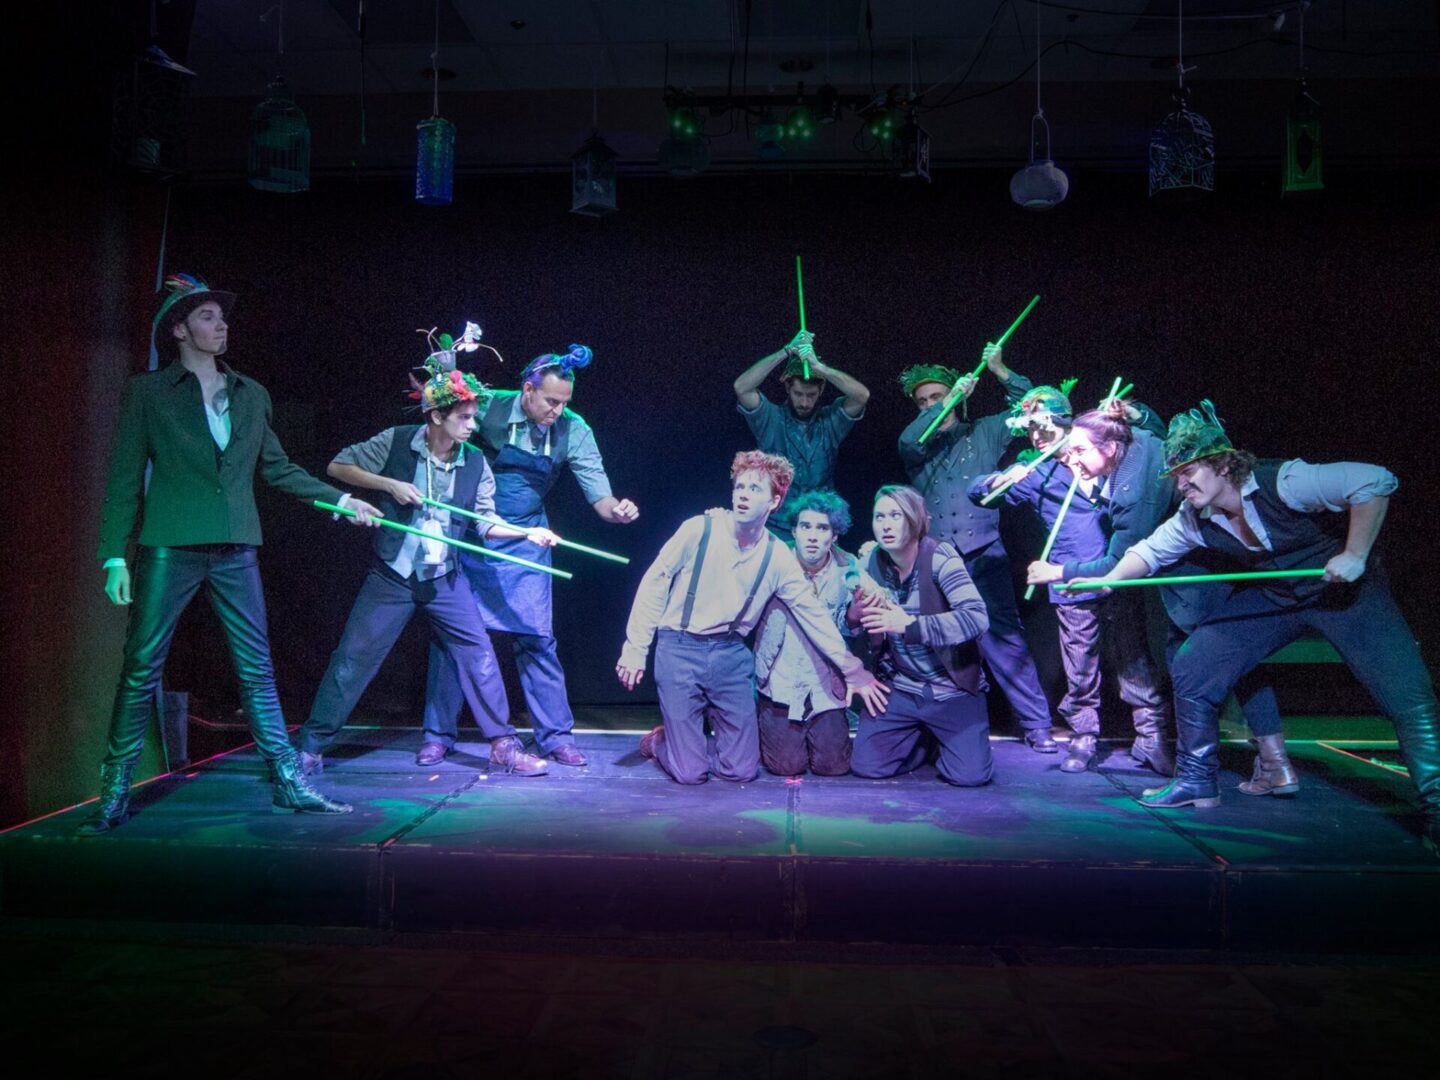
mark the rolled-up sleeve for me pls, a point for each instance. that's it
(1337, 486)
(369, 455)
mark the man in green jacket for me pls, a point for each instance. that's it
(203, 430)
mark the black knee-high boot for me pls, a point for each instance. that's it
(1419, 737)
(1197, 759)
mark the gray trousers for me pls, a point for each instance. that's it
(699, 676)
(900, 738)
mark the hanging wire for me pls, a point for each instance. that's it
(1040, 112)
(1180, 49)
(435, 66)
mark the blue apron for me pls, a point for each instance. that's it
(512, 598)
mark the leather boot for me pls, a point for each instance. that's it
(1197, 760)
(507, 753)
(293, 793)
(1082, 752)
(1420, 747)
(1041, 741)
(113, 809)
(1151, 746)
(1273, 775)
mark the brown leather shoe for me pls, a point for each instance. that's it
(431, 753)
(649, 739)
(569, 754)
(507, 753)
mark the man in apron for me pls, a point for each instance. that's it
(530, 437)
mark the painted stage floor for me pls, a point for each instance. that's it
(615, 849)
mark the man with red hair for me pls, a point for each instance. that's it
(703, 594)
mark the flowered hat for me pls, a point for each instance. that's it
(1194, 435)
(920, 374)
(185, 293)
(1047, 406)
(443, 384)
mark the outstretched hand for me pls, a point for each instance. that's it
(365, 514)
(874, 694)
(1344, 567)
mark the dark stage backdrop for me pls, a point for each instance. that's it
(1310, 323)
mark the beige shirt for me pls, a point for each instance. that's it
(725, 581)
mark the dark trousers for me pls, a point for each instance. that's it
(1003, 646)
(788, 747)
(542, 680)
(383, 609)
(699, 676)
(1360, 620)
(899, 739)
(1111, 629)
(166, 580)
(1253, 692)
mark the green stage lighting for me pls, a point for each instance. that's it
(684, 123)
(800, 124)
(882, 125)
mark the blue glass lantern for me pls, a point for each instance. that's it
(592, 179)
(279, 157)
(434, 161)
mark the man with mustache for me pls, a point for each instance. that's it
(1283, 515)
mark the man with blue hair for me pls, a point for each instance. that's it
(801, 703)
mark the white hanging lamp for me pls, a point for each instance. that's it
(1041, 185)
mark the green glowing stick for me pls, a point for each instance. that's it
(1055, 448)
(505, 524)
(954, 400)
(1188, 579)
(1055, 529)
(800, 288)
(321, 504)
(1111, 395)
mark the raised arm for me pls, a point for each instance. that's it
(747, 386)
(855, 393)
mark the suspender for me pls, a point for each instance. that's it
(700, 565)
(695, 576)
(764, 565)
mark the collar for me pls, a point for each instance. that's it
(175, 373)
(1247, 489)
(421, 447)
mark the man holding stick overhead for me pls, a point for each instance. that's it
(942, 468)
(530, 436)
(701, 597)
(414, 467)
(203, 430)
(1283, 516)
(802, 431)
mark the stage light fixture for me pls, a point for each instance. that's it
(799, 124)
(770, 137)
(592, 179)
(684, 123)
(882, 124)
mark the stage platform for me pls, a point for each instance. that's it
(1038, 858)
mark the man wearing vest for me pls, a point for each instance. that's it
(923, 633)
(802, 698)
(411, 574)
(700, 598)
(529, 436)
(942, 469)
(203, 430)
(1274, 515)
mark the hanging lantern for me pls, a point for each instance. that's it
(592, 179)
(1182, 150)
(279, 142)
(1041, 185)
(434, 161)
(684, 157)
(148, 122)
(1302, 143)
